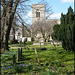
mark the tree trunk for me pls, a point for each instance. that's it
(7, 23)
(13, 33)
(7, 29)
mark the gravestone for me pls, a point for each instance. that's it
(18, 54)
(21, 51)
(14, 59)
(37, 56)
(40, 44)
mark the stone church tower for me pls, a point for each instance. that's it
(38, 12)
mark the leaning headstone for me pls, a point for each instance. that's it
(18, 54)
(37, 56)
(14, 59)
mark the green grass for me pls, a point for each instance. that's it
(53, 61)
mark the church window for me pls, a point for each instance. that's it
(37, 13)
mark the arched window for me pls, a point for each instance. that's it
(37, 13)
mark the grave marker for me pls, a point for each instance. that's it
(18, 54)
(37, 56)
(21, 51)
(40, 44)
(14, 59)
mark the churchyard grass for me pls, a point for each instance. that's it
(52, 61)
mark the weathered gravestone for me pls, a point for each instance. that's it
(18, 54)
(21, 51)
(37, 56)
(14, 59)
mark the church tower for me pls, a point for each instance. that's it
(38, 12)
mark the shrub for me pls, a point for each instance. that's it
(14, 41)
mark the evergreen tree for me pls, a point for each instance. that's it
(56, 33)
(67, 30)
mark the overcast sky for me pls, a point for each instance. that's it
(58, 6)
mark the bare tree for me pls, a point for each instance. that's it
(14, 26)
(48, 9)
(45, 27)
(9, 8)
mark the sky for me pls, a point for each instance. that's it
(58, 7)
